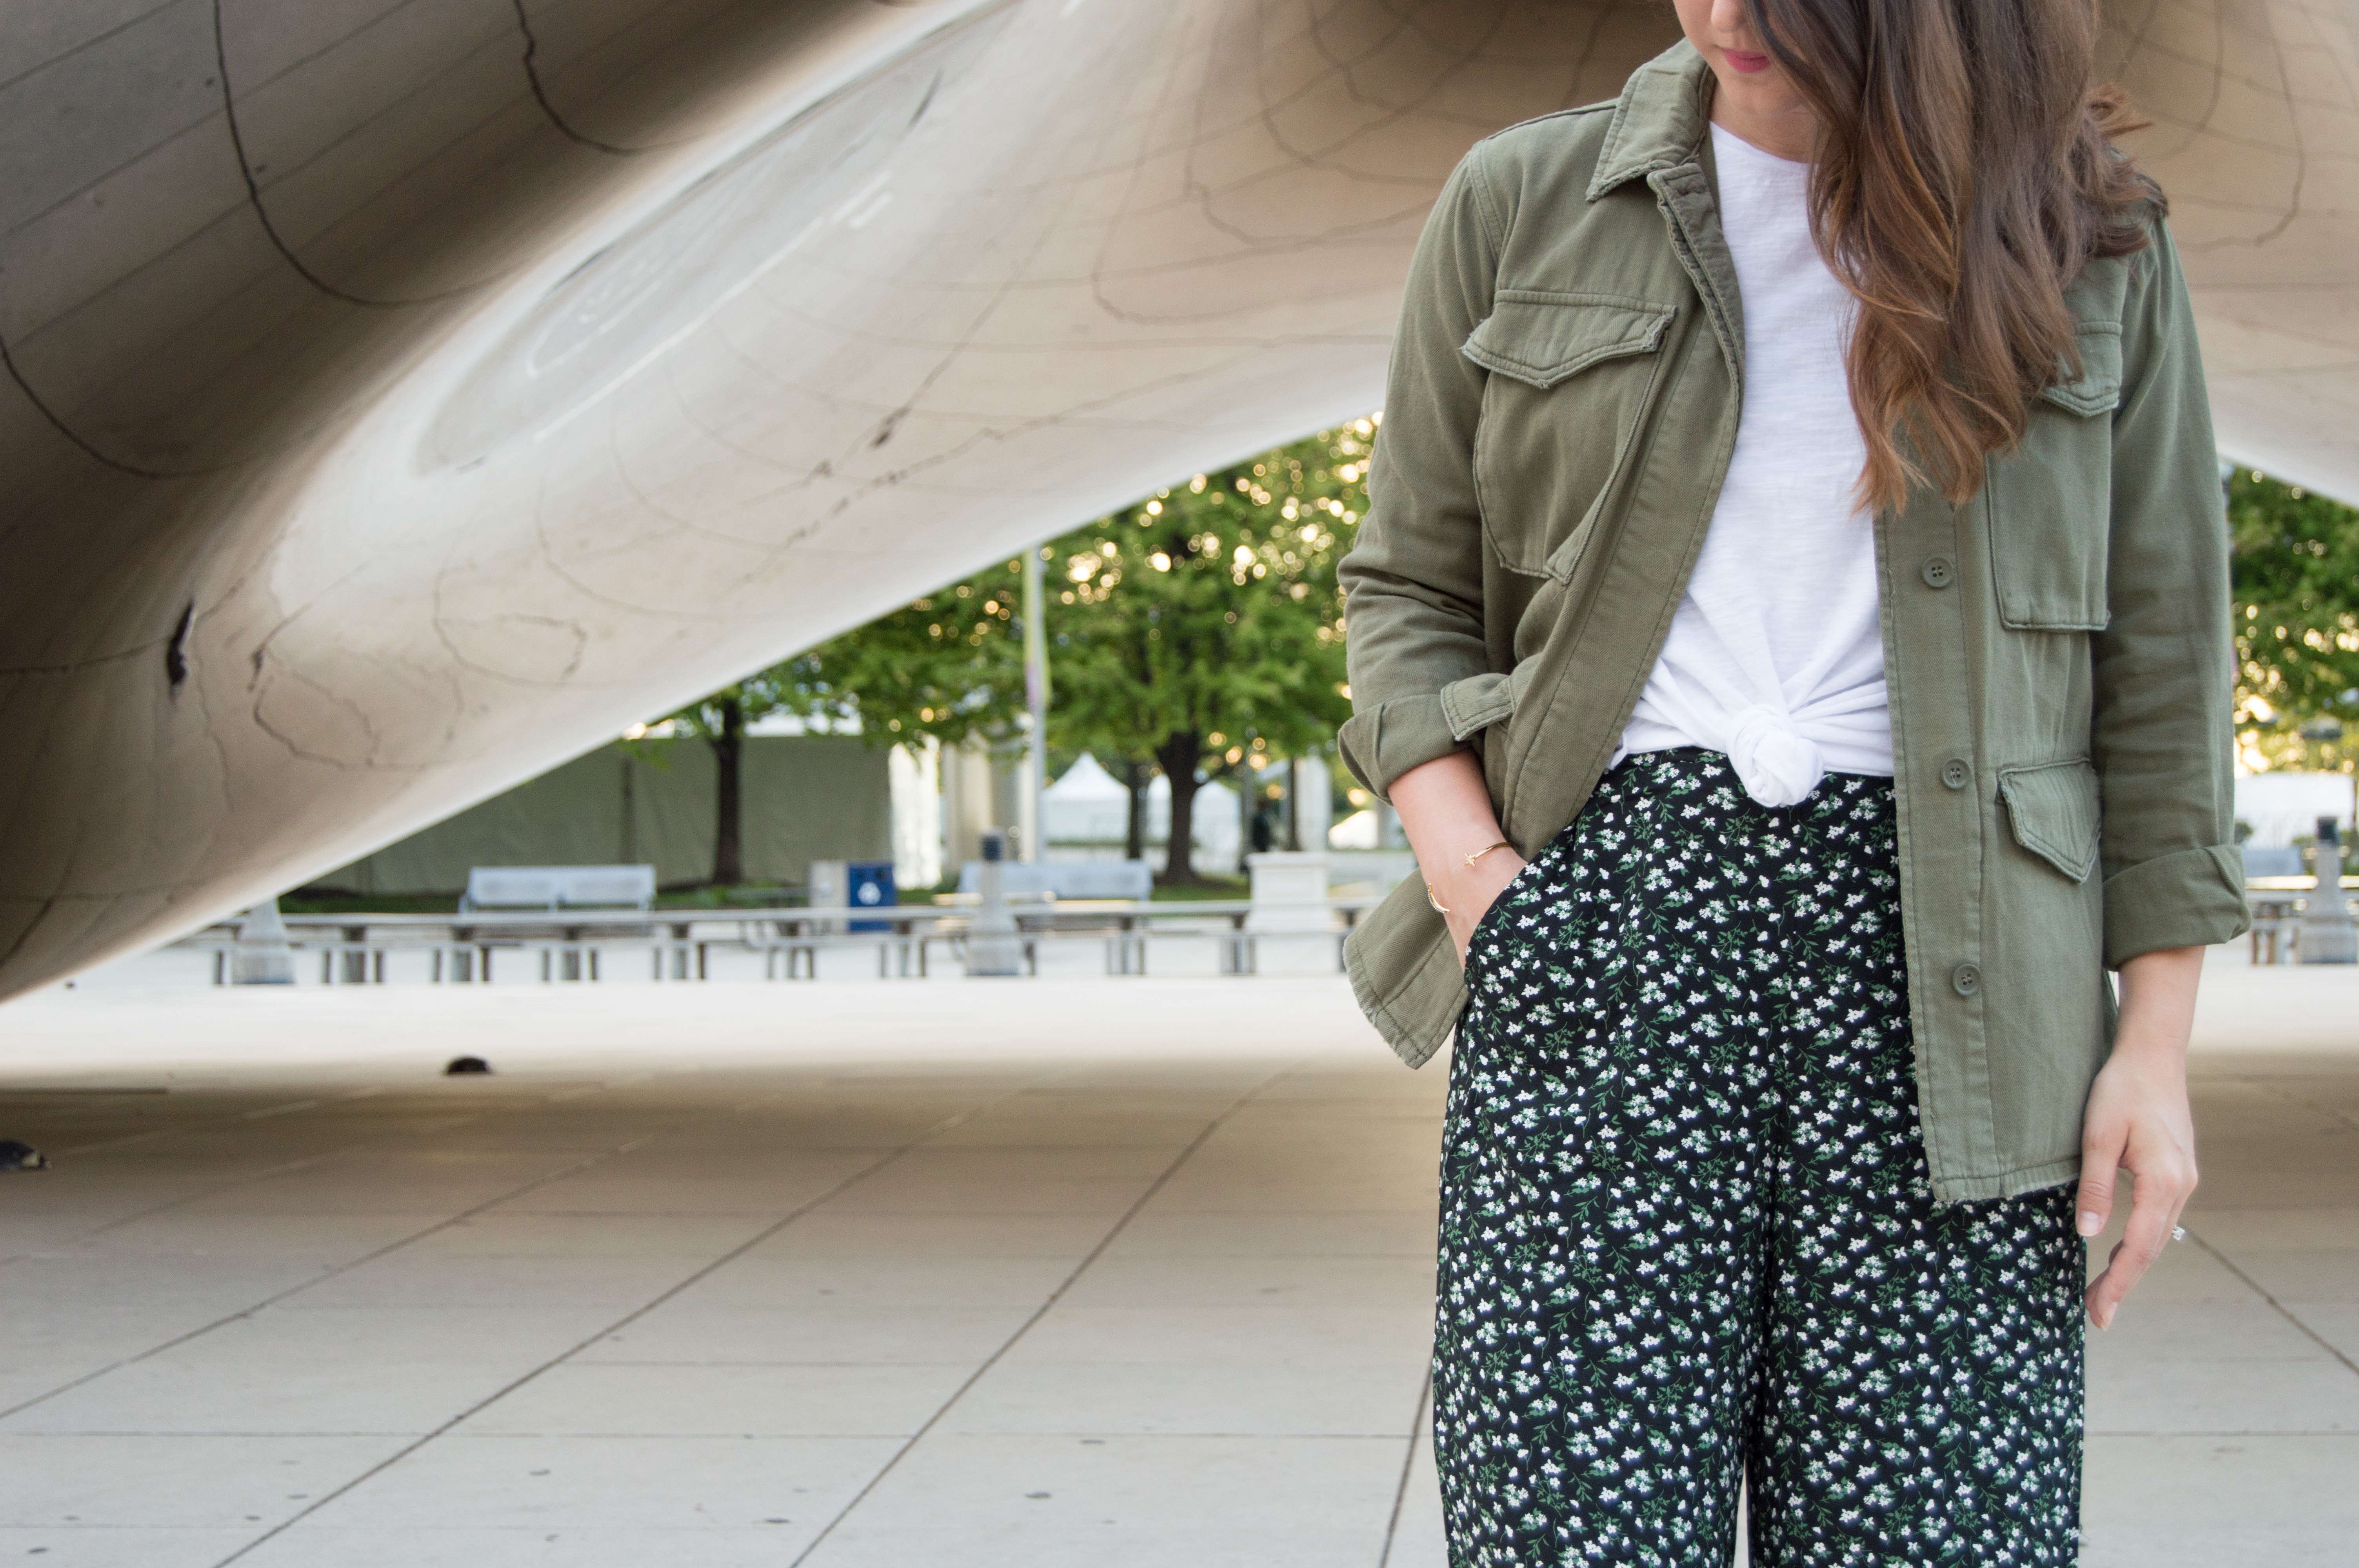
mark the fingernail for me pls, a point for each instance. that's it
(2091, 1222)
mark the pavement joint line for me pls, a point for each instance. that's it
(574, 1169)
(288, 1109)
(2279, 1090)
(262, 1175)
(229, 1187)
(226, 1118)
(1417, 1424)
(274, 1435)
(2278, 1306)
(120, 1143)
(1219, 1119)
(702, 1272)
(2253, 1433)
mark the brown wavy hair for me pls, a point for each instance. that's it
(1964, 174)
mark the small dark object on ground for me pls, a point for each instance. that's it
(16, 1156)
(461, 1065)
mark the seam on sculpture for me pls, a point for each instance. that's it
(123, 655)
(541, 94)
(90, 449)
(26, 935)
(57, 422)
(262, 212)
(1389, 112)
(2200, 123)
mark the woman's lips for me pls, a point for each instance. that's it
(1750, 64)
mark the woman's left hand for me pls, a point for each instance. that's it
(2139, 1120)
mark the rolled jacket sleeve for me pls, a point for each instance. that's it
(2162, 731)
(1414, 577)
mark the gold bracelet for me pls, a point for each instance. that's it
(1441, 908)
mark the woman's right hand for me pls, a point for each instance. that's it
(1445, 809)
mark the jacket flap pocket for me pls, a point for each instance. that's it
(1477, 703)
(1544, 337)
(2098, 388)
(2055, 811)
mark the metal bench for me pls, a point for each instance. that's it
(1068, 879)
(559, 887)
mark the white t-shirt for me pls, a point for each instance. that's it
(1775, 656)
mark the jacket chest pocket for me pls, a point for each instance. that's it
(2051, 499)
(1570, 375)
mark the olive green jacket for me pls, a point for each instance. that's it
(1563, 401)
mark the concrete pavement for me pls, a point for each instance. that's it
(1056, 1272)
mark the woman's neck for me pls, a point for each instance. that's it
(1789, 133)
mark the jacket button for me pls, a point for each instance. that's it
(1939, 571)
(1955, 774)
(1965, 979)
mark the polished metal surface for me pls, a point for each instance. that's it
(402, 395)
(2255, 139)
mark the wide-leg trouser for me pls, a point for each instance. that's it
(1687, 1231)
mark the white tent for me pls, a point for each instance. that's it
(1088, 806)
(2284, 805)
(1219, 835)
(1087, 812)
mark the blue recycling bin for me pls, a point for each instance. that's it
(868, 884)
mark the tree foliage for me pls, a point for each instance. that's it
(718, 719)
(1199, 632)
(950, 665)
(1203, 628)
(2296, 562)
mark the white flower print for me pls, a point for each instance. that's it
(1687, 1229)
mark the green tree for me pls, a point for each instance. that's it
(951, 666)
(1200, 631)
(720, 720)
(1203, 628)
(2296, 565)
(943, 667)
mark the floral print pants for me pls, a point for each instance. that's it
(1687, 1231)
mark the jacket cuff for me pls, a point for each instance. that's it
(1478, 702)
(2192, 899)
(1381, 743)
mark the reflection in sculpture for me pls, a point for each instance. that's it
(402, 395)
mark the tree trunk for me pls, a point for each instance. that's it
(728, 758)
(1134, 779)
(1178, 755)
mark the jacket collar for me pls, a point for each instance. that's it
(1658, 122)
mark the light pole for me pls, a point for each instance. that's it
(993, 944)
(1036, 701)
(2328, 934)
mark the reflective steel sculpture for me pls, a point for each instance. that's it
(401, 395)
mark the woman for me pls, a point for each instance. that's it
(1795, 527)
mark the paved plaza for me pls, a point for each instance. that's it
(1056, 1273)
